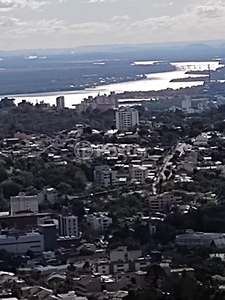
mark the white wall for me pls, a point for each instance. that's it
(99, 221)
(49, 195)
(118, 254)
(142, 265)
(23, 203)
(121, 267)
(126, 118)
(134, 254)
(103, 269)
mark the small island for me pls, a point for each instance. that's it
(190, 79)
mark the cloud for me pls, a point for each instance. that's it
(6, 5)
(96, 1)
(100, 25)
(120, 18)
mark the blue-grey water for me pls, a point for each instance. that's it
(156, 81)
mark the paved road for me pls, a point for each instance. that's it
(160, 173)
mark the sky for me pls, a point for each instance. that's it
(34, 24)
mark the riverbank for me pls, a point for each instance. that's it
(190, 79)
(153, 82)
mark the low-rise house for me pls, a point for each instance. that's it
(69, 296)
(87, 284)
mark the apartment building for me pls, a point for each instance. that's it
(47, 194)
(164, 201)
(60, 102)
(68, 223)
(99, 221)
(138, 173)
(100, 102)
(23, 203)
(122, 260)
(126, 118)
(105, 176)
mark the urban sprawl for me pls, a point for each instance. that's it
(114, 201)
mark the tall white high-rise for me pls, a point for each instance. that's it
(68, 223)
(126, 118)
(60, 102)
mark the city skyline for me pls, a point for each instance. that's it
(33, 24)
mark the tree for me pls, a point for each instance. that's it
(3, 175)
(86, 265)
(10, 188)
(30, 191)
(87, 130)
(30, 253)
(219, 295)
(155, 275)
(71, 267)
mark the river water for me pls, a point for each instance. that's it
(156, 81)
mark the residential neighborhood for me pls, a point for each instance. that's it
(88, 213)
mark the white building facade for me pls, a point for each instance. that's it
(68, 226)
(60, 102)
(99, 221)
(126, 118)
(48, 194)
(20, 244)
(105, 176)
(23, 203)
(138, 173)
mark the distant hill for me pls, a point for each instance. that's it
(115, 48)
(198, 47)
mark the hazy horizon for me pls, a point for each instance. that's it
(55, 24)
(198, 45)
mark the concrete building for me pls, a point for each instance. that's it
(50, 236)
(99, 221)
(60, 102)
(163, 202)
(47, 194)
(101, 102)
(68, 223)
(123, 254)
(201, 239)
(187, 105)
(69, 296)
(23, 203)
(105, 176)
(87, 284)
(201, 140)
(190, 161)
(122, 260)
(126, 118)
(22, 221)
(20, 244)
(138, 173)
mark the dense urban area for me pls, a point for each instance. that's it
(114, 200)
